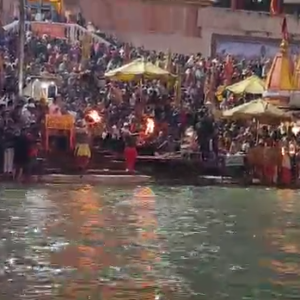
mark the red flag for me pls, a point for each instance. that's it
(228, 70)
(126, 53)
(275, 7)
(233, 4)
(284, 29)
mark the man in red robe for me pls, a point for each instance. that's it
(130, 152)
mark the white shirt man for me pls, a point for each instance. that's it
(39, 17)
(27, 115)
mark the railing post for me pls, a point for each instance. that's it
(21, 46)
(77, 32)
(69, 32)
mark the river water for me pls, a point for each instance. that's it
(64, 242)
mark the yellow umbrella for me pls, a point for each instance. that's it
(250, 85)
(136, 70)
(258, 109)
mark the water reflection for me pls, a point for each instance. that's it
(113, 250)
(84, 242)
(285, 238)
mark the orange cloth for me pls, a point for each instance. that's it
(269, 173)
(286, 176)
(286, 170)
(82, 161)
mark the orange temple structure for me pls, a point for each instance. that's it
(283, 80)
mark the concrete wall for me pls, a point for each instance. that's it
(244, 23)
(138, 16)
(8, 11)
(183, 28)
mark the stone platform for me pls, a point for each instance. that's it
(122, 179)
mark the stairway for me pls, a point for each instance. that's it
(64, 162)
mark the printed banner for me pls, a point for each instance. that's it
(291, 1)
(54, 30)
(60, 122)
(249, 48)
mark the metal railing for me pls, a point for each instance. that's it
(72, 32)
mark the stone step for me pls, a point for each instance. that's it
(69, 164)
(91, 171)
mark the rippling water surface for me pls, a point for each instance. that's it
(83, 242)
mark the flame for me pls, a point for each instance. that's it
(296, 129)
(93, 114)
(149, 126)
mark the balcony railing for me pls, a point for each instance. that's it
(72, 32)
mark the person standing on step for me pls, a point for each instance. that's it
(130, 152)
(82, 149)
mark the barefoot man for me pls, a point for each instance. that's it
(130, 152)
(82, 150)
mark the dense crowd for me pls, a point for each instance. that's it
(82, 87)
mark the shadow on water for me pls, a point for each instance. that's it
(83, 242)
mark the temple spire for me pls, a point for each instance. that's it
(281, 74)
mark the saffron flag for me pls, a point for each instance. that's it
(177, 87)
(126, 53)
(86, 47)
(233, 4)
(228, 70)
(275, 7)
(168, 62)
(284, 29)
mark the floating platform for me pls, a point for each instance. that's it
(122, 179)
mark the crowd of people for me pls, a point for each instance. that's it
(124, 106)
